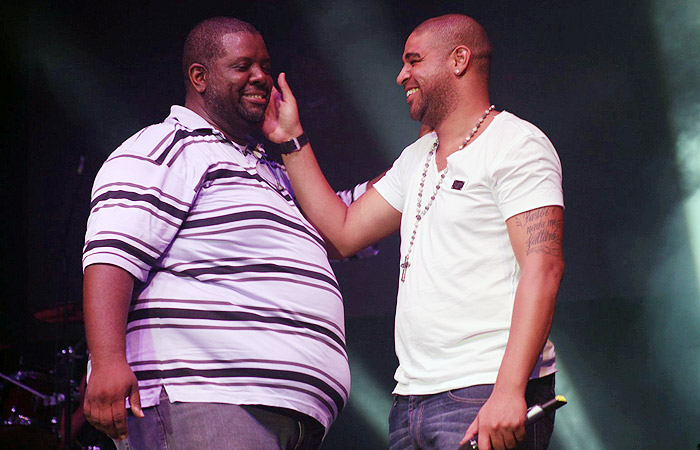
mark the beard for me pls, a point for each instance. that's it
(230, 111)
(437, 100)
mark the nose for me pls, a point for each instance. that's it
(402, 76)
(257, 74)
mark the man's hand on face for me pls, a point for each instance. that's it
(282, 115)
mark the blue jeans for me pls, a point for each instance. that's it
(202, 426)
(439, 421)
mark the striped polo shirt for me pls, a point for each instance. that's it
(235, 301)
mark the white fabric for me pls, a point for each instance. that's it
(454, 308)
(237, 301)
(350, 195)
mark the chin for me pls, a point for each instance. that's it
(417, 115)
(424, 120)
(252, 117)
(255, 120)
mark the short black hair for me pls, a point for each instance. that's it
(451, 30)
(204, 43)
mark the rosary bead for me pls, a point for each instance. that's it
(443, 174)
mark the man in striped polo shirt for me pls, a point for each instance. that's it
(209, 300)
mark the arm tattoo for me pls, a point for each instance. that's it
(544, 231)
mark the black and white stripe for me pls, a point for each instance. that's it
(237, 300)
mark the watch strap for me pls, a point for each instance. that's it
(294, 145)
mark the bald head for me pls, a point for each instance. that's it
(452, 30)
(204, 44)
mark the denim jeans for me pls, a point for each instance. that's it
(202, 426)
(439, 421)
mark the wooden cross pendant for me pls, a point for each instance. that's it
(404, 266)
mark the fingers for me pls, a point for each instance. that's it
(135, 403)
(287, 95)
(107, 415)
(118, 418)
(484, 441)
(496, 441)
(471, 431)
(520, 434)
(109, 419)
(282, 115)
(275, 96)
(282, 82)
(509, 440)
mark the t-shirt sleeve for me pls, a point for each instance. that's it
(393, 185)
(390, 187)
(529, 176)
(137, 207)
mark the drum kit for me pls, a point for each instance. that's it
(41, 409)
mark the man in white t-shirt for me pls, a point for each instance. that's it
(481, 246)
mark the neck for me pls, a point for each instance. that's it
(457, 125)
(197, 105)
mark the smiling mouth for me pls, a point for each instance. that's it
(411, 91)
(256, 96)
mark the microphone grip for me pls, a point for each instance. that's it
(534, 414)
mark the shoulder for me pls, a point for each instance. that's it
(423, 144)
(393, 185)
(511, 127)
(143, 155)
(417, 151)
(147, 139)
(512, 136)
(149, 142)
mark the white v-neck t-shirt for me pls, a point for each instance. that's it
(455, 306)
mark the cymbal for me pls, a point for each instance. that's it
(70, 312)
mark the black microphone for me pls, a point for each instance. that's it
(534, 414)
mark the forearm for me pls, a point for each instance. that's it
(107, 292)
(533, 313)
(347, 230)
(324, 209)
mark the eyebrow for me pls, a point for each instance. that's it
(249, 59)
(411, 55)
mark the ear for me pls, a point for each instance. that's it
(198, 77)
(461, 56)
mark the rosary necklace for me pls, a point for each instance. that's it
(443, 173)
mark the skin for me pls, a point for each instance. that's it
(106, 297)
(535, 236)
(432, 83)
(232, 95)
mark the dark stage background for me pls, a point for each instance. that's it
(605, 80)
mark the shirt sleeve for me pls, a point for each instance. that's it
(529, 176)
(137, 207)
(350, 195)
(394, 184)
